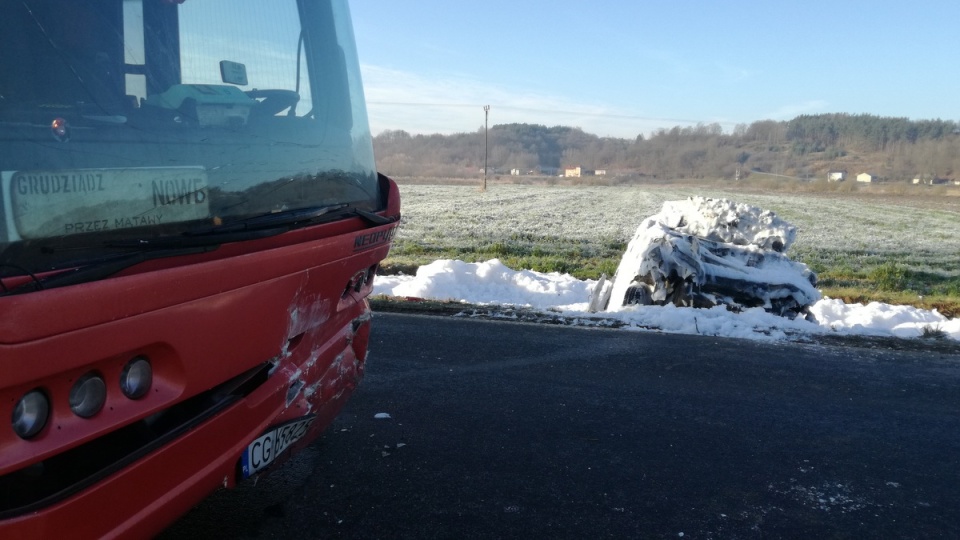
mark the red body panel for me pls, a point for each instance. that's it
(297, 300)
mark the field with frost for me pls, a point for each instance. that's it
(845, 237)
(863, 246)
(835, 228)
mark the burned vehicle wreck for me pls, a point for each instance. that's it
(704, 252)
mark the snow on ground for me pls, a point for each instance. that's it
(492, 283)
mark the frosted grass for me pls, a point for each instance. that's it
(835, 229)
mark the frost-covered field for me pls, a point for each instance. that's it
(855, 230)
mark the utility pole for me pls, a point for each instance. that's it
(486, 123)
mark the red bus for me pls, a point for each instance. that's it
(190, 223)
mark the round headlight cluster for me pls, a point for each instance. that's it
(31, 413)
(87, 397)
(136, 378)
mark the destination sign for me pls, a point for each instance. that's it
(55, 203)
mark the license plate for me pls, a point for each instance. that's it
(269, 446)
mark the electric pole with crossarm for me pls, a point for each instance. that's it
(486, 123)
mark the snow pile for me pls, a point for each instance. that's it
(488, 283)
(722, 220)
(880, 319)
(493, 283)
(706, 252)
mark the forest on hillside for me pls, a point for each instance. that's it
(806, 147)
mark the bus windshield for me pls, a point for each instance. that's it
(131, 119)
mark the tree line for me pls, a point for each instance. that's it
(807, 146)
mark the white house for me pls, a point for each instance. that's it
(866, 178)
(836, 176)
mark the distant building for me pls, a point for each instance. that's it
(836, 176)
(578, 171)
(867, 178)
(514, 172)
(931, 180)
(600, 172)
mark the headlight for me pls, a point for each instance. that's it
(30, 414)
(88, 395)
(136, 378)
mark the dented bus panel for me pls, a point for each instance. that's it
(190, 224)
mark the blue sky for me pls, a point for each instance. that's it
(624, 67)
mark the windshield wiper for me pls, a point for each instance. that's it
(99, 269)
(288, 219)
(189, 240)
(374, 219)
(251, 228)
(198, 240)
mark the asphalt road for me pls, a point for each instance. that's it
(512, 430)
